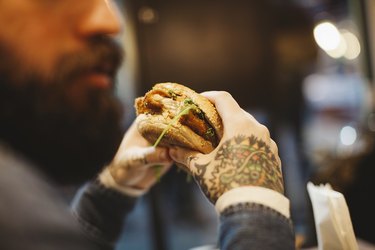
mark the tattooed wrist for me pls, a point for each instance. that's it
(239, 161)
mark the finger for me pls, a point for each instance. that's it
(152, 176)
(131, 136)
(139, 157)
(131, 158)
(158, 155)
(224, 103)
(185, 157)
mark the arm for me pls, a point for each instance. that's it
(102, 205)
(101, 212)
(243, 178)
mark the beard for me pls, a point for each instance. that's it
(66, 127)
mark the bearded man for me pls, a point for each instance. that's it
(60, 123)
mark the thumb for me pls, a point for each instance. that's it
(184, 157)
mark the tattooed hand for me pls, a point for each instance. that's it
(246, 155)
(136, 163)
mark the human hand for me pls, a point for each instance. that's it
(245, 156)
(138, 165)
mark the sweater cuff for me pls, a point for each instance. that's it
(253, 194)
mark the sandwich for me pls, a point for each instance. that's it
(171, 114)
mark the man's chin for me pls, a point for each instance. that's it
(84, 144)
(67, 145)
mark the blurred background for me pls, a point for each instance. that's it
(304, 68)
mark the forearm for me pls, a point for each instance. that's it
(101, 213)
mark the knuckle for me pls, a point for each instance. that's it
(224, 94)
(265, 131)
(274, 147)
(263, 128)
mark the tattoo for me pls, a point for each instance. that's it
(254, 165)
(133, 161)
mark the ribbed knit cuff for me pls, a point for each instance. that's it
(252, 194)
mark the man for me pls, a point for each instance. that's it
(60, 123)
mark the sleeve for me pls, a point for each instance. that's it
(101, 212)
(255, 226)
(254, 218)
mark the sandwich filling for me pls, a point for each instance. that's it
(177, 107)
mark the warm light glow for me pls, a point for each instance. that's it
(353, 46)
(348, 135)
(340, 50)
(327, 36)
(147, 15)
(337, 43)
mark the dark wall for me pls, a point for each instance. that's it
(253, 49)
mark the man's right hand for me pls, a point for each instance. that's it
(245, 156)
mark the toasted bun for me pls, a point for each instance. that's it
(162, 104)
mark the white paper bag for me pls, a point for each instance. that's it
(332, 220)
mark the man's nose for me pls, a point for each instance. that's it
(102, 19)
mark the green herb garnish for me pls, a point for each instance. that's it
(157, 170)
(189, 178)
(172, 94)
(188, 101)
(188, 105)
(210, 132)
(184, 111)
